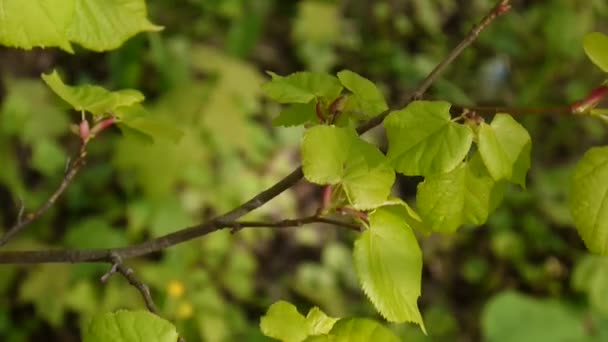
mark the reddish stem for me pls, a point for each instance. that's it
(353, 212)
(319, 112)
(326, 201)
(102, 125)
(589, 102)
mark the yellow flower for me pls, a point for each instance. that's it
(175, 288)
(184, 310)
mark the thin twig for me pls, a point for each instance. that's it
(127, 272)
(492, 110)
(70, 174)
(163, 242)
(155, 245)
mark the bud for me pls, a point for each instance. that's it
(84, 130)
(592, 100)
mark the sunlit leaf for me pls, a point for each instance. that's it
(504, 146)
(296, 114)
(302, 87)
(369, 98)
(89, 98)
(332, 155)
(388, 262)
(588, 200)
(137, 122)
(357, 330)
(97, 25)
(424, 141)
(284, 322)
(596, 47)
(130, 326)
(448, 200)
(318, 322)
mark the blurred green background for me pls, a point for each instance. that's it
(525, 276)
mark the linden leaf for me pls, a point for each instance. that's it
(423, 140)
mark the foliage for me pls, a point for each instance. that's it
(206, 102)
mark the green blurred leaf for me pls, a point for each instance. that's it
(504, 146)
(284, 322)
(511, 317)
(388, 262)
(369, 98)
(591, 276)
(424, 141)
(596, 48)
(130, 326)
(448, 200)
(94, 233)
(94, 99)
(46, 287)
(588, 200)
(136, 122)
(302, 87)
(96, 25)
(332, 155)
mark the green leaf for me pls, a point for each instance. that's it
(591, 276)
(366, 93)
(588, 200)
(332, 155)
(94, 99)
(296, 114)
(448, 200)
(512, 317)
(596, 48)
(504, 146)
(127, 326)
(135, 121)
(302, 87)
(424, 141)
(388, 262)
(318, 322)
(96, 25)
(284, 322)
(359, 330)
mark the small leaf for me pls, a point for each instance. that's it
(360, 330)
(94, 99)
(96, 25)
(135, 121)
(504, 146)
(318, 322)
(388, 262)
(296, 114)
(302, 87)
(424, 141)
(448, 200)
(596, 48)
(332, 155)
(127, 326)
(284, 322)
(588, 200)
(366, 93)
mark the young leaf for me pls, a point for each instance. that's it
(588, 200)
(284, 322)
(596, 48)
(296, 114)
(359, 330)
(366, 93)
(448, 200)
(332, 155)
(388, 262)
(504, 146)
(94, 99)
(96, 25)
(130, 326)
(318, 322)
(135, 121)
(302, 87)
(422, 140)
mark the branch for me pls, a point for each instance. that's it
(70, 174)
(229, 219)
(492, 110)
(155, 245)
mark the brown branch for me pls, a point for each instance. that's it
(69, 175)
(155, 245)
(492, 110)
(228, 219)
(127, 272)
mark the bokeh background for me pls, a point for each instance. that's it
(524, 276)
